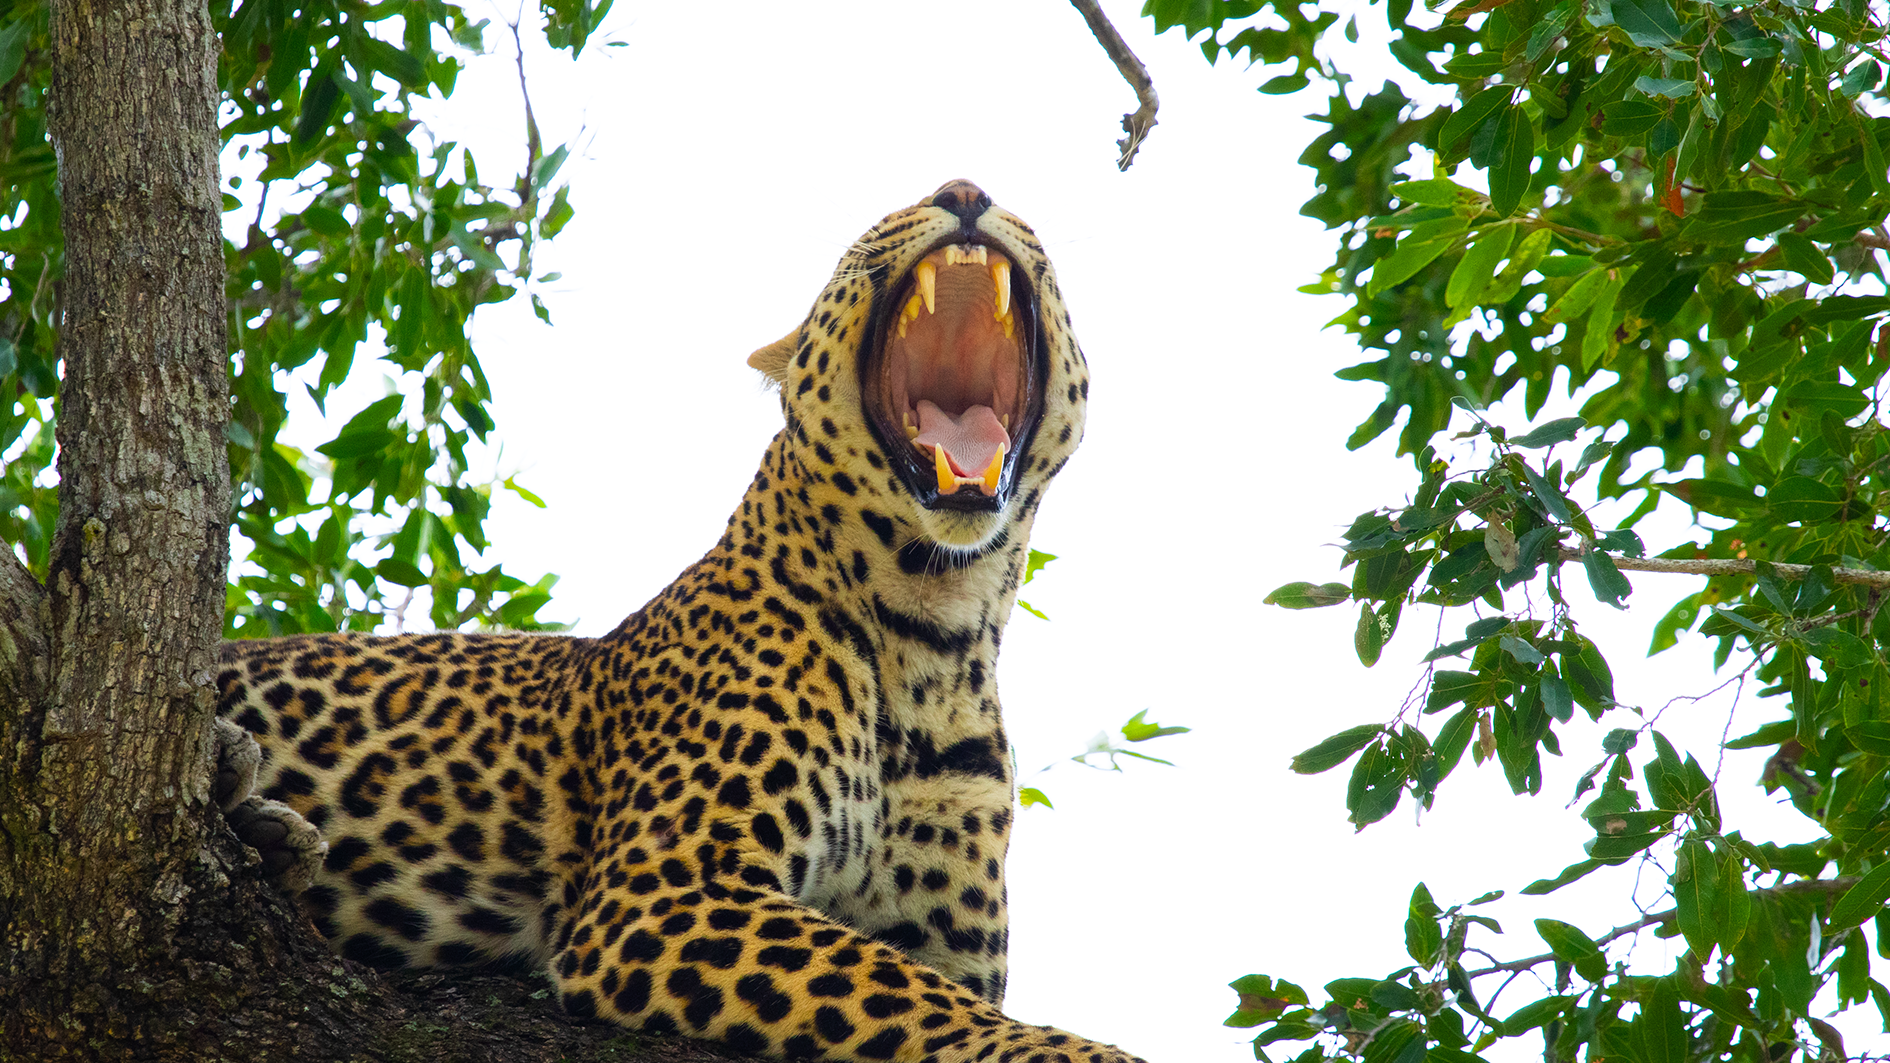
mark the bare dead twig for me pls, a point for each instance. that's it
(533, 145)
(1137, 123)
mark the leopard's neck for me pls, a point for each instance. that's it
(929, 619)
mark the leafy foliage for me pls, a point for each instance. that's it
(371, 238)
(1675, 209)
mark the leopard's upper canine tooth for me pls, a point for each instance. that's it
(927, 274)
(1001, 276)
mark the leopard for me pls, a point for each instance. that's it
(772, 807)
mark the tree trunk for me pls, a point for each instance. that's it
(104, 704)
(120, 919)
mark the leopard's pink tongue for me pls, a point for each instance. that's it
(972, 441)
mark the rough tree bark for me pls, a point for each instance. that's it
(109, 856)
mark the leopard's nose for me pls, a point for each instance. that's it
(963, 199)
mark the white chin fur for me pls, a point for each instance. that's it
(962, 530)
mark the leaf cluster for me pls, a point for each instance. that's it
(1673, 210)
(362, 234)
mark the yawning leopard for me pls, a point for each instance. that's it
(771, 808)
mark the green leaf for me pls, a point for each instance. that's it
(1514, 149)
(13, 44)
(1695, 884)
(1551, 498)
(1262, 999)
(1734, 913)
(1668, 87)
(1140, 730)
(1478, 267)
(1589, 676)
(1662, 1029)
(1560, 430)
(1605, 579)
(1034, 564)
(1475, 111)
(1308, 595)
(325, 221)
(1375, 628)
(1423, 938)
(1534, 1014)
(1846, 400)
(1568, 874)
(1717, 497)
(513, 486)
(1753, 47)
(318, 102)
(1521, 650)
(403, 573)
(1648, 23)
(1630, 118)
(1450, 687)
(1337, 749)
(1030, 795)
(1418, 249)
(1803, 256)
(366, 432)
(1735, 217)
(1375, 787)
(1438, 192)
(1863, 900)
(1574, 947)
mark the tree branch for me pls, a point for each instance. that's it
(1823, 885)
(23, 648)
(1138, 123)
(1731, 567)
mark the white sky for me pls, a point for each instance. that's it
(722, 163)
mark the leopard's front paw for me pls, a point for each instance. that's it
(291, 847)
(238, 757)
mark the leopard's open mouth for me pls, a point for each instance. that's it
(953, 380)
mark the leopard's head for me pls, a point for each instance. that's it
(936, 374)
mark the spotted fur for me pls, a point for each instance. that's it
(770, 808)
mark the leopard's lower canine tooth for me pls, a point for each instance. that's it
(909, 314)
(947, 483)
(989, 481)
(927, 274)
(1001, 276)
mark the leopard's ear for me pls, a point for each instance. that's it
(772, 360)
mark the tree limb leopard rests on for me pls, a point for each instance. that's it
(771, 807)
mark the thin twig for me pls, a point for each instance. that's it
(1732, 567)
(527, 190)
(1825, 885)
(1138, 123)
